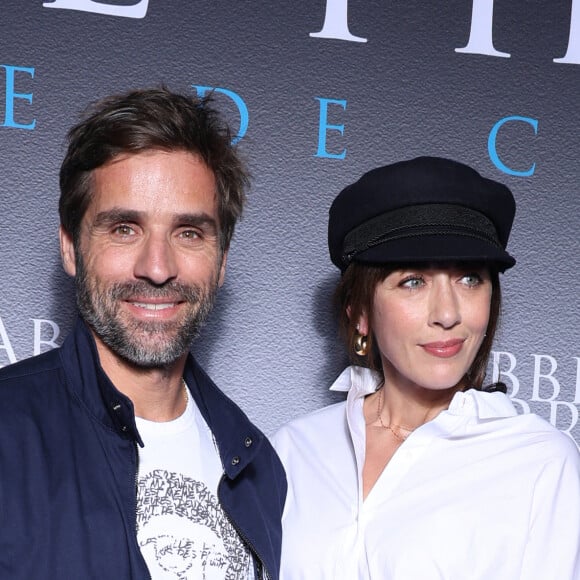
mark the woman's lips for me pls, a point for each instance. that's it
(444, 349)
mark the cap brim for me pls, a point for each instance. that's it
(437, 248)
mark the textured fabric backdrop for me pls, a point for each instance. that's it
(319, 92)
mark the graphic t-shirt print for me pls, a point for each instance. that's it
(184, 533)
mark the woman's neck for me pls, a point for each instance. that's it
(407, 405)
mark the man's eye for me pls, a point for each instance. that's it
(189, 234)
(123, 230)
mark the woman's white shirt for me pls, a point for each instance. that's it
(478, 493)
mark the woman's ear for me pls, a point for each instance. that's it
(362, 323)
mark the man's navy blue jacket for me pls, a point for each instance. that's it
(68, 470)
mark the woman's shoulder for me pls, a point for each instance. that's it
(543, 436)
(528, 429)
(330, 422)
(315, 424)
(321, 434)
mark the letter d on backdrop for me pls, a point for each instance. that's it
(239, 102)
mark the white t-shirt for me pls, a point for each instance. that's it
(182, 530)
(478, 493)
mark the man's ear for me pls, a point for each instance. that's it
(222, 274)
(67, 252)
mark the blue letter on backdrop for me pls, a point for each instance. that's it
(11, 95)
(493, 152)
(244, 115)
(323, 126)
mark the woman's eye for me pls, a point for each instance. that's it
(471, 279)
(412, 282)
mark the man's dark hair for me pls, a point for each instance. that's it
(151, 119)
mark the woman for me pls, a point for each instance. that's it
(423, 473)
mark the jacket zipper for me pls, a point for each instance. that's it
(136, 490)
(263, 568)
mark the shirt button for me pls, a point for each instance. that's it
(116, 407)
(248, 441)
(235, 460)
(124, 428)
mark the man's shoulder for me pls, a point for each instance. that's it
(29, 387)
(30, 368)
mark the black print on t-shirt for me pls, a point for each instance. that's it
(181, 521)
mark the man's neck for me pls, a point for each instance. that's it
(157, 394)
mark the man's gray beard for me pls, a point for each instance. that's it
(100, 309)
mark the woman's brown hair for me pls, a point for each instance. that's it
(354, 297)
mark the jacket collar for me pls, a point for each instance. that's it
(88, 382)
(238, 440)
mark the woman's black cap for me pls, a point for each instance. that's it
(422, 210)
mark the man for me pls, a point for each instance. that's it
(119, 458)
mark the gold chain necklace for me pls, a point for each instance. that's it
(392, 427)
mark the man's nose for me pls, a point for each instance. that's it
(156, 260)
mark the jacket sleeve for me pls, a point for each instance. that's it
(553, 547)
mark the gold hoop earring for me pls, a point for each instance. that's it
(361, 344)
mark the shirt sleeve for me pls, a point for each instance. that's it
(553, 547)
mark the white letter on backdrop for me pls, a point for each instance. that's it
(136, 11)
(572, 55)
(481, 34)
(336, 22)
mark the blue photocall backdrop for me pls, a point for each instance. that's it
(318, 92)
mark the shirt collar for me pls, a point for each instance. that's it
(481, 405)
(360, 381)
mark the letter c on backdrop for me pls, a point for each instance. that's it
(491, 142)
